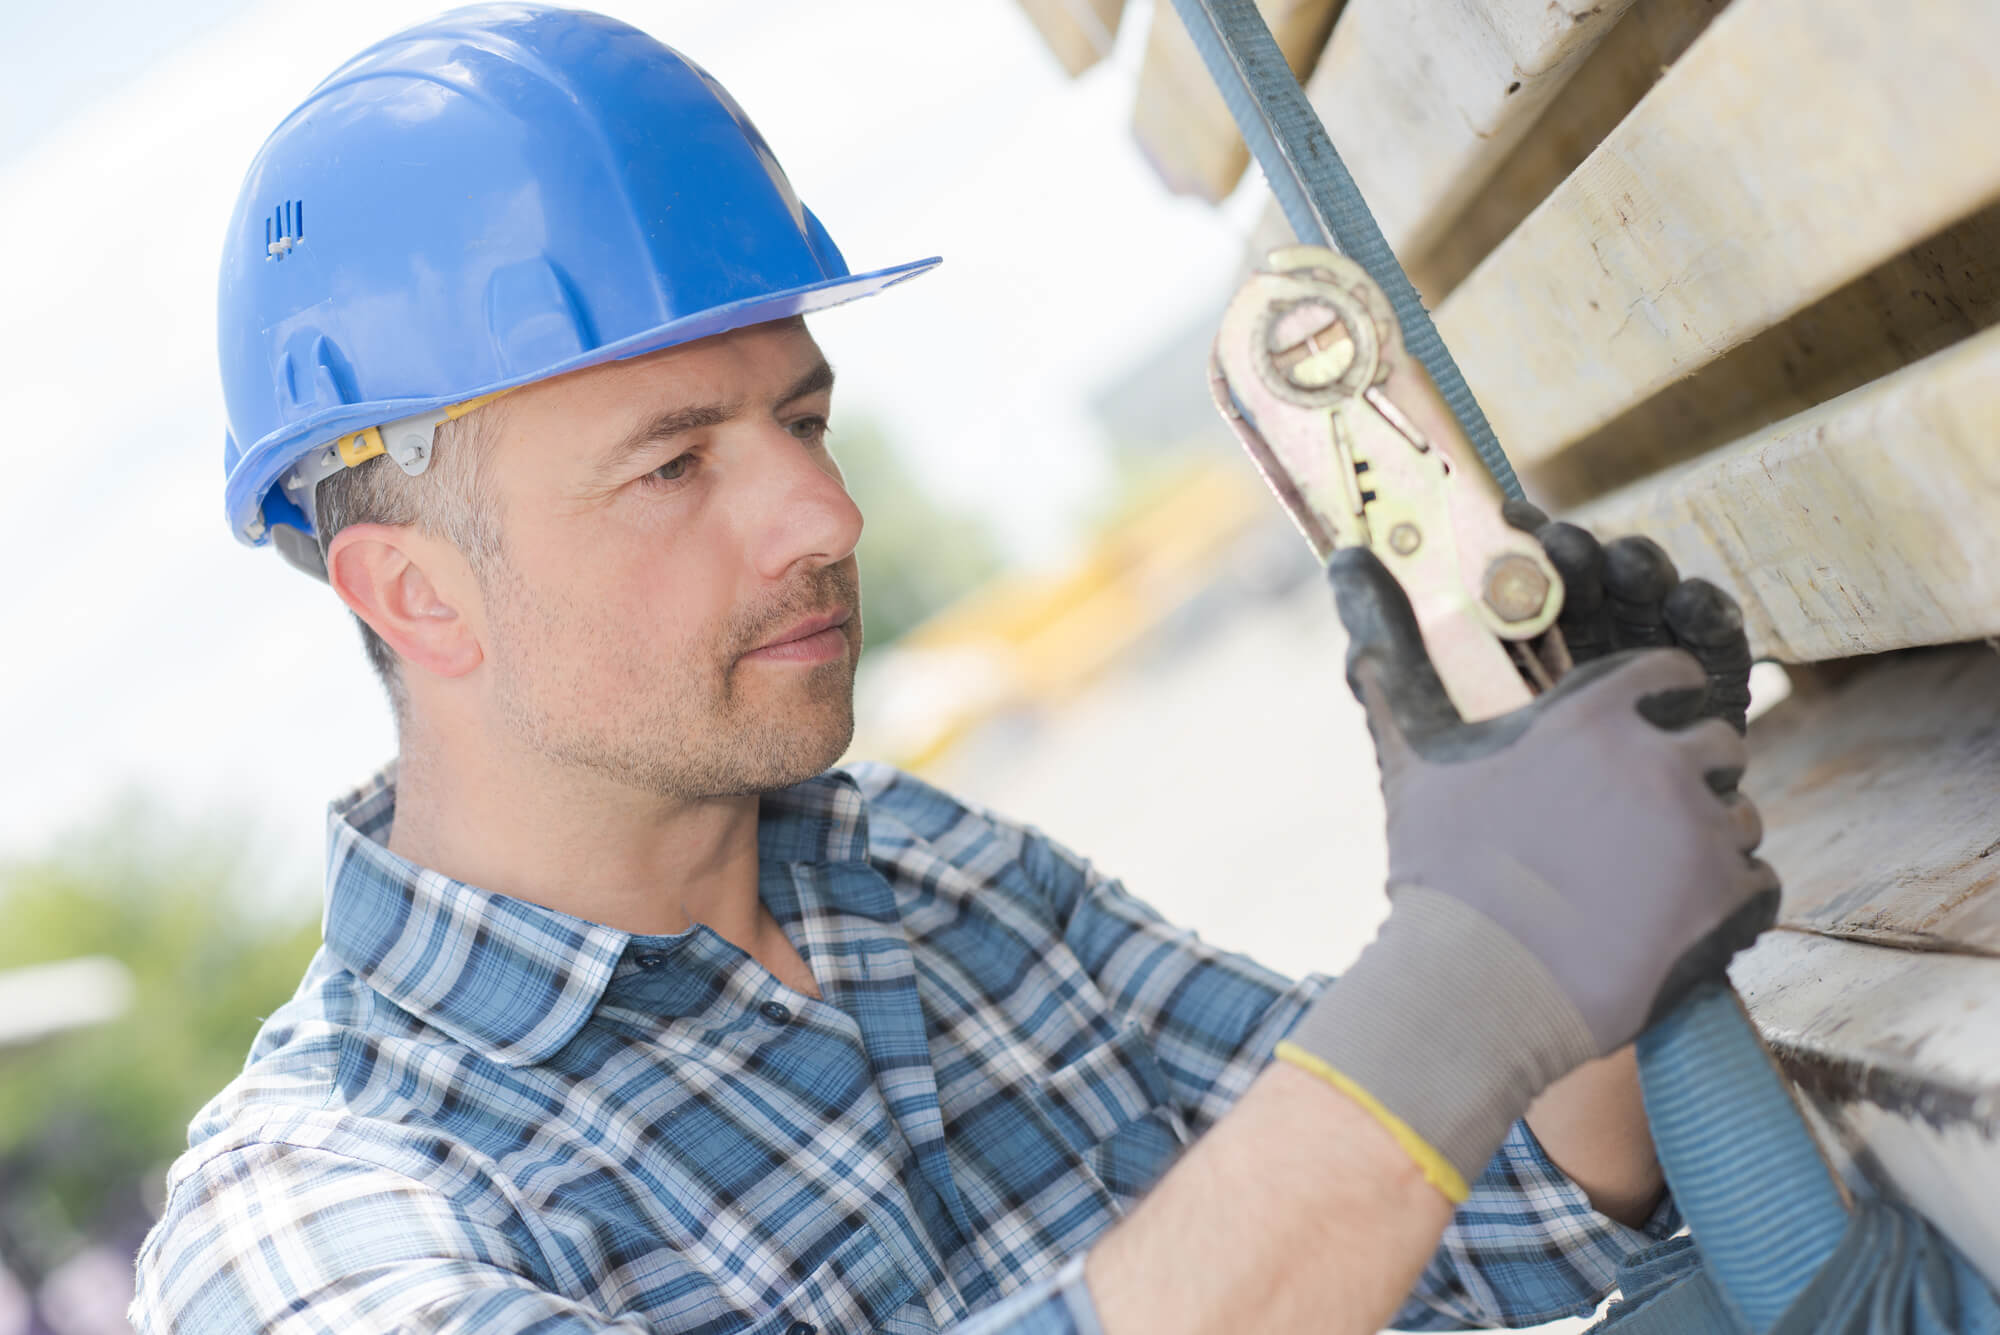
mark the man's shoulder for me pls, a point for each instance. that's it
(294, 1075)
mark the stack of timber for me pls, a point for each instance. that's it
(1727, 272)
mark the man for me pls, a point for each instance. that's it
(632, 1016)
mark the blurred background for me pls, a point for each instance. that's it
(1082, 609)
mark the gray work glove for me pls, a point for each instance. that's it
(1559, 878)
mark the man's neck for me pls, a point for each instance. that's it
(581, 844)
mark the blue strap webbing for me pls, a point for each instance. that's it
(1746, 1173)
(1892, 1274)
(1744, 1168)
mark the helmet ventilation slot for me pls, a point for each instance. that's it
(284, 228)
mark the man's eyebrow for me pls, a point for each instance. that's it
(664, 426)
(693, 417)
(818, 380)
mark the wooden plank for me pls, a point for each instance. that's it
(1626, 64)
(1079, 32)
(1178, 117)
(1881, 802)
(1425, 100)
(1934, 294)
(1795, 146)
(1862, 525)
(1895, 1052)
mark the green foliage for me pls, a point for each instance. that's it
(87, 1115)
(917, 554)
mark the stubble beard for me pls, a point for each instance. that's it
(688, 730)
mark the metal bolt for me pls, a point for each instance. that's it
(1516, 588)
(1309, 345)
(1404, 539)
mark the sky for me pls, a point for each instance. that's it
(145, 651)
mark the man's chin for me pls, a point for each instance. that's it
(791, 744)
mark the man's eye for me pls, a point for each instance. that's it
(812, 430)
(674, 469)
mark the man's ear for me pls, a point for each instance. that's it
(416, 592)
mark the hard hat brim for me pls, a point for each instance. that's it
(265, 463)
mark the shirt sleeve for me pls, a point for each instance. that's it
(1524, 1248)
(289, 1240)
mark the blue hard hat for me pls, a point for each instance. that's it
(502, 194)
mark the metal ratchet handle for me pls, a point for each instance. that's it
(1310, 372)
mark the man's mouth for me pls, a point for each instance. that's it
(816, 639)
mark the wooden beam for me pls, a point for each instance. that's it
(1080, 32)
(1862, 525)
(1626, 64)
(1893, 1050)
(1178, 117)
(1424, 101)
(1878, 798)
(1795, 146)
(1940, 291)
(1878, 801)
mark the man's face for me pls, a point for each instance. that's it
(677, 606)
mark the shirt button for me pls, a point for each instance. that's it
(778, 1013)
(652, 959)
(799, 1327)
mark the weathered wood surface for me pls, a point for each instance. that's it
(1425, 100)
(1881, 803)
(1894, 1050)
(1795, 146)
(1179, 118)
(1626, 64)
(1936, 293)
(1868, 523)
(1079, 32)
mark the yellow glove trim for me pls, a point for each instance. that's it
(1437, 1169)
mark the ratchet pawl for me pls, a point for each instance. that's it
(1310, 372)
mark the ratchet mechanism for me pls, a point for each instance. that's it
(1310, 372)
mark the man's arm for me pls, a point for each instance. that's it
(1297, 1212)
(1559, 877)
(1592, 1125)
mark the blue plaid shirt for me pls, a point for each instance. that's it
(482, 1115)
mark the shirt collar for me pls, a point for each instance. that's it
(510, 979)
(824, 819)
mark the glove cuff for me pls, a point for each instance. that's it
(1444, 1030)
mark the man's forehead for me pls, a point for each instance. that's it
(610, 417)
(758, 362)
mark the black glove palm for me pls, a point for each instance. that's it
(1626, 594)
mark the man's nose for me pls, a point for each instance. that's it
(803, 514)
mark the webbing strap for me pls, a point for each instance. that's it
(1746, 1172)
(1318, 196)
